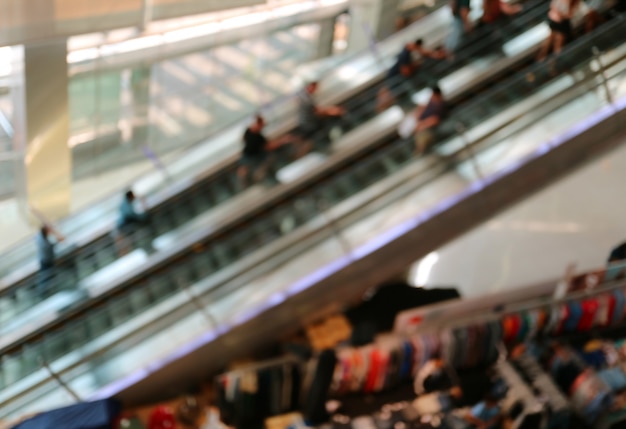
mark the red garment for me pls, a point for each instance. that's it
(382, 374)
(374, 371)
(514, 325)
(491, 12)
(590, 308)
(162, 418)
(612, 305)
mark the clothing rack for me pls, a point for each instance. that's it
(596, 281)
(524, 307)
(465, 343)
(247, 396)
(257, 366)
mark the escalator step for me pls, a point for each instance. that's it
(201, 205)
(98, 323)
(104, 257)
(79, 336)
(220, 192)
(139, 299)
(347, 187)
(31, 358)
(11, 369)
(390, 165)
(221, 254)
(121, 311)
(162, 288)
(202, 267)
(83, 269)
(55, 346)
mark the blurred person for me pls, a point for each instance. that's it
(592, 11)
(559, 20)
(616, 264)
(432, 377)
(255, 161)
(411, 57)
(563, 367)
(46, 255)
(438, 402)
(486, 414)
(428, 118)
(129, 219)
(407, 62)
(128, 215)
(493, 10)
(461, 25)
(314, 118)
(618, 253)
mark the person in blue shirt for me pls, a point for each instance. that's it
(129, 219)
(45, 249)
(408, 61)
(486, 414)
(128, 216)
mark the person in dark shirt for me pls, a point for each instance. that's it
(410, 58)
(255, 157)
(428, 118)
(407, 62)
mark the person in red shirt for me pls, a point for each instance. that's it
(494, 10)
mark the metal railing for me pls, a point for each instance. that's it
(230, 247)
(122, 309)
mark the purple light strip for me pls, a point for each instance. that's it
(363, 250)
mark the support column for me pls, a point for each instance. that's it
(326, 38)
(146, 16)
(41, 121)
(140, 87)
(371, 19)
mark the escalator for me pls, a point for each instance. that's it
(100, 257)
(281, 214)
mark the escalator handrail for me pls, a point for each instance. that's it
(267, 201)
(162, 192)
(218, 168)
